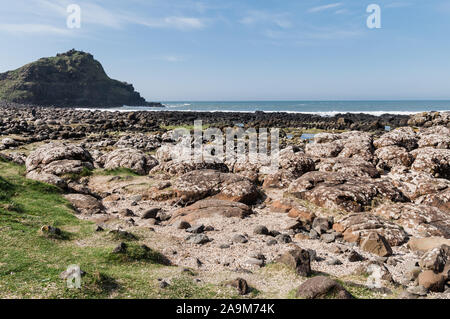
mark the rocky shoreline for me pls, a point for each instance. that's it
(354, 203)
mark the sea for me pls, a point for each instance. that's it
(323, 108)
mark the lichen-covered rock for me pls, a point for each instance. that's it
(436, 136)
(435, 259)
(357, 145)
(336, 191)
(176, 168)
(331, 149)
(200, 184)
(429, 119)
(291, 166)
(356, 167)
(130, 158)
(54, 163)
(52, 152)
(418, 220)
(433, 161)
(142, 142)
(210, 207)
(416, 184)
(85, 204)
(356, 227)
(391, 156)
(440, 200)
(403, 137)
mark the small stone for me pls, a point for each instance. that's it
(272, 242)
(163, 216)
(99, 228)
(313, 234)
(354, 256)
(283, 238)
(321, 225)
(241, 285)
(274, 233)
(418, 290)
(163, 284)
(196, 229)
(312, 255)
(261, 230)
(255, 261)
(183, 225)
(151, 213)
(328, 238)
(224, 246)
(334, 262)
(120, 249)
(126, 212)
(239, 239)
(198, 239)
(297, 259)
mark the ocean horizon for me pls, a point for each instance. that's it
(323, 108)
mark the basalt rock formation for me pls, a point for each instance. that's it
(70, 79)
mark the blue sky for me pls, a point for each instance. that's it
(245, 49)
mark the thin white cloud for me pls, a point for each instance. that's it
(254, 17)
(325, 7)
(33, 29)
(179, 23)
(398, 4)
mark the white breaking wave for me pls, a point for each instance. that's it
(320, 113)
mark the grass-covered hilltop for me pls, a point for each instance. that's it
(69, 79)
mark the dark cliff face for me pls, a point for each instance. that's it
(70, 79)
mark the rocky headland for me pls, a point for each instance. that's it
(70, 79)
(357, 205)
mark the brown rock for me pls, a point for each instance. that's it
(432, 281)
(376, 244)
(297, 259)
(210, 207)
(321, 287)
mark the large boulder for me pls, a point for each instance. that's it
(356, 227)
(321, 287)
(436, 136)
(321, 150)
(85, 204)
(341, 192)
(129, 158)
(418, 220)
(356, 167)
(210, 207)
(392, 156)
(177, 168)
(433, 161)
(200, 184)
(55, 163)
(142, 142)
(292, 165)
(403, 137)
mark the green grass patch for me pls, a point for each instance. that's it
(31, 262)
